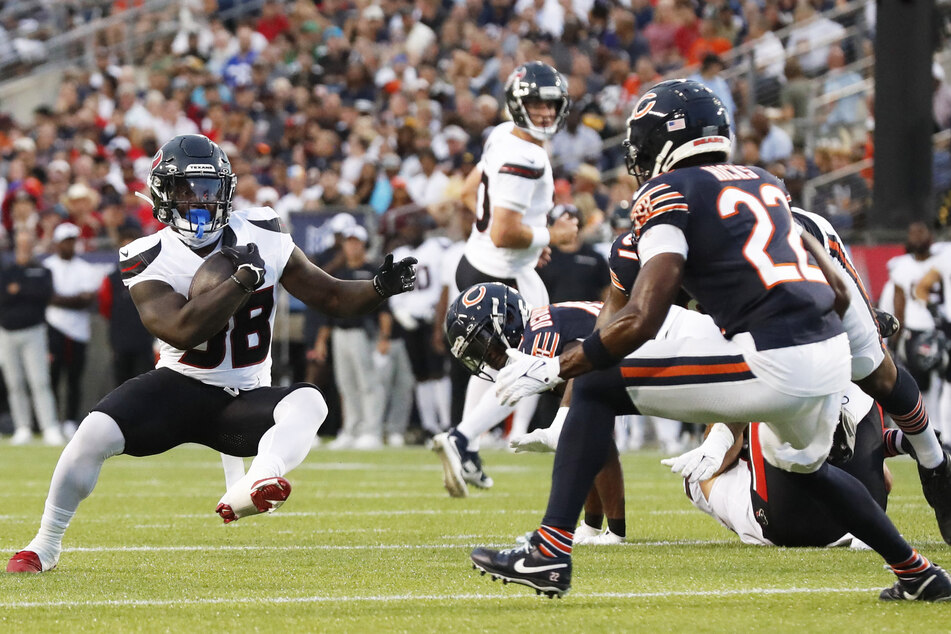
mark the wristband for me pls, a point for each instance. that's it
(541, 237)
(241, 285)
(596, 353)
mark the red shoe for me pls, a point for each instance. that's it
(266, 495)
(25, 561)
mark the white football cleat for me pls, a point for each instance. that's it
(21, 437)
(264, 496)
(607, 538)
(53, 437)
(584, 534)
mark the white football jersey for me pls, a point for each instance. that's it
(516, 174)
(239, 356)
(420, 302)
(905, 272)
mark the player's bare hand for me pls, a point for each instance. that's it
(564, 230)
(544, 258)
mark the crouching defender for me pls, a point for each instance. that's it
(211, 383)
(481, 324)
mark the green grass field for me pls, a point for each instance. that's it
(369, 541)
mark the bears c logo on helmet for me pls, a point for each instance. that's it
(468, 300)
(644, 105)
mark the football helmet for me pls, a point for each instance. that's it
(675, 119)
(484, 321)
(192, 185)
(536, 81)
(927, 351)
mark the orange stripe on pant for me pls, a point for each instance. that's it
(756, 461)
(684, 370)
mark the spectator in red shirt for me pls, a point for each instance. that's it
(272, 22)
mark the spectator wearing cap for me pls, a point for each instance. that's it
(26, 287)
(81, 201)
(131, 343)
(451, 144)
(429, 185)
(352, 342)
(575, 144)
(75, 285)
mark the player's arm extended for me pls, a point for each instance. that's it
(639, 318)
(338, 298)
(186, 323)
(828, 269)
(923, 287)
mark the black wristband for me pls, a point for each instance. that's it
(596, 353)
(241, 284)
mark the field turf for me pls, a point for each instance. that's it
(370, 542)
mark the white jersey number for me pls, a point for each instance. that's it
(756, 248)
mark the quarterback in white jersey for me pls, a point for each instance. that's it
(515, 191)
(211, 384)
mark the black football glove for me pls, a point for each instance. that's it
(393, 279)
(247, 257)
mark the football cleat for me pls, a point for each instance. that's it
(446, 447)
(607, 538)
(936, 485)
(932, 585)
(527, 566)
(265, 496)
(585, 533)
(25, 561)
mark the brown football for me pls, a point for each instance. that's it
(215, 270)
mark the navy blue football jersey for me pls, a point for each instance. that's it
(746, 264)
(551, 327)
(624, 263)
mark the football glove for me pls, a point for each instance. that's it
(525, 375)
(703, 462)
(541, 440)
(247, 257)
(393, 279)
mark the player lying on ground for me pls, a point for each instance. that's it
(481, 324)
(725, 234)
(765, 507)
(211, 382)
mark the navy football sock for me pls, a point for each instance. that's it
(850, 503)
(908, 411)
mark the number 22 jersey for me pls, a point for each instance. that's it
(239, 356)
(745, 263)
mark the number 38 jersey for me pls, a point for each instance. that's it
(745, 262)
(516, 175)
(239, 356)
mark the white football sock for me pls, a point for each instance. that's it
(426, 406)
(443, 393)
(74, 478)
(297, 418)
(524, 410)
(487, 413)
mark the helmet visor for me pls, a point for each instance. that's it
(198, 189)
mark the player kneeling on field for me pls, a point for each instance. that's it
(212, 381)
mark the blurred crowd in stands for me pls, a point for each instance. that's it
(381, 106)
(339, 104)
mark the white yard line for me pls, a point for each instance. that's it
(400, 598)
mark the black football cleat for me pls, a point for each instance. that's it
(936, 485)
(932, 585)
(526, 565)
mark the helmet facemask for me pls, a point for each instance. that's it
(196, 207)
(560, 105)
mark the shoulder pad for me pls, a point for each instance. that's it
(136, 256)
